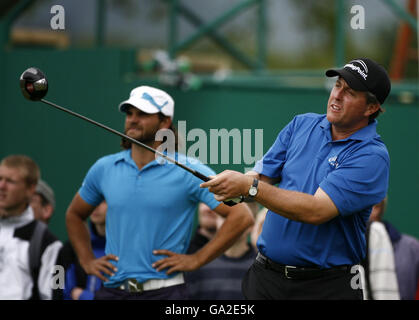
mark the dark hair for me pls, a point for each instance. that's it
(372, 99)
(126, 144)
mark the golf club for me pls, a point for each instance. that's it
(34, 86)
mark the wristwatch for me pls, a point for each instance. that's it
(254, 188)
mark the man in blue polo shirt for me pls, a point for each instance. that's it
(330, 170)
(151, 208)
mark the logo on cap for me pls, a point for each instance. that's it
(150, 99)
(363, 73)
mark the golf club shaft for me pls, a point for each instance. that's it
(229, 202)
(194, 172)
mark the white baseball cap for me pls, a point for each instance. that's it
(150, 100)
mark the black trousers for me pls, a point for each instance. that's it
(261, 283)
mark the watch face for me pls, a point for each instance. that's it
(253, 191)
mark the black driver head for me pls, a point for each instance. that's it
(34, 84)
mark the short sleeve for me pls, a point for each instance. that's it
(90, 190)
(273, 161)
(357, 183)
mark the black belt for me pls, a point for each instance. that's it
(294, 272)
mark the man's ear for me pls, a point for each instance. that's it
(372, 108)
(166, 123)
(47, 212)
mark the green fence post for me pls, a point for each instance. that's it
(340, 33)
(7, 21)
(5, 28)
(215, 24)
(173, 12)
(395, 7)
(100, 22)
(262, 34)
(227, 46)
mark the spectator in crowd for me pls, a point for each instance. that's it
(221, 278)
(78, 284)
(379, 265)
(401, 251)
(28, 250)
(207, 227)
(43, 202)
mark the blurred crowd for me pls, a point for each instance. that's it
(35, 264)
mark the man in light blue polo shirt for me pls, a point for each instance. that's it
(151, 208)
(330, 170)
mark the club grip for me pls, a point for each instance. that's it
(233, 202)
(229, 202)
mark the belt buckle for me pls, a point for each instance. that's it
(286, 271)
(133, 286)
